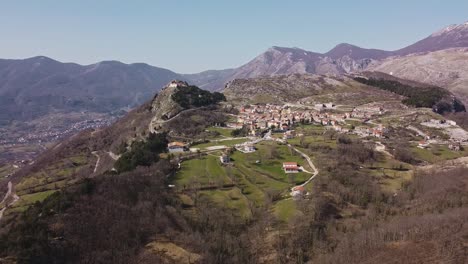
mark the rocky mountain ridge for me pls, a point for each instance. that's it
(43, 79)
(445, 68)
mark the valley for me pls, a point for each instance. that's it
(279, 167)
(351, 155)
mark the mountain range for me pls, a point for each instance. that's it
(37, 86)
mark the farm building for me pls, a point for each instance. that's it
(176, 147)
(290, 167)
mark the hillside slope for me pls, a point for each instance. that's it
(342, 59)
(304, 88)
(38, 86)
(92, 152)
(445, 68)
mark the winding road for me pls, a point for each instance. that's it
(153, 121)
(311, 164)
(305, 156)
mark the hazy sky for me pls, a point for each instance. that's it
(192, 36)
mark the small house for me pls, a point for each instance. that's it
(423, 144)
(176, 146)
(290, 167)
(455, 146)
(297, 192)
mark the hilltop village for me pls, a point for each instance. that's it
(297, 127)
(283, 118)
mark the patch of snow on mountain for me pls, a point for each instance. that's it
(444, 30)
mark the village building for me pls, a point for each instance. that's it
(455, 146)
(290, 167)
(176, 146)
(298, 192)
(175, 84)
(423, 144)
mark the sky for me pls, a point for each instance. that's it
(193, 36)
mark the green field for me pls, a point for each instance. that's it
(6, 169)
(39, 185)
(437, 153)
(228, 143)
(231, 198)
(206, 170)
(29, 199)
(257, 177)
(285, 210)
(223, 132)
(272, 166)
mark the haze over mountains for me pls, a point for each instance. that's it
(39, 85)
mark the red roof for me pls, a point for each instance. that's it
(298, 188)
(176, 144)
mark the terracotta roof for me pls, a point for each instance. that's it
(298, 188)
(176, 144)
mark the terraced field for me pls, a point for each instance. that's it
(251, 178)
(37, 186)
(256, 179)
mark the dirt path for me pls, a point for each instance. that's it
(153, 122)
(311, 164)
(446, 165)
(381, 148)
(418, 131)
(7, 195)
(113, 155)
(95, 153)
(305, 156)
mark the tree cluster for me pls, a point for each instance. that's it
(430, 97)
(142, 153)
(192, 96)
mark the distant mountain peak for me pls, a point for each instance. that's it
(286, 49)
(345, 45)
(452, 36)
(40, 58)
(355, 52)
(448, 29)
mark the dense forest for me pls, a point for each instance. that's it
(436, 98)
